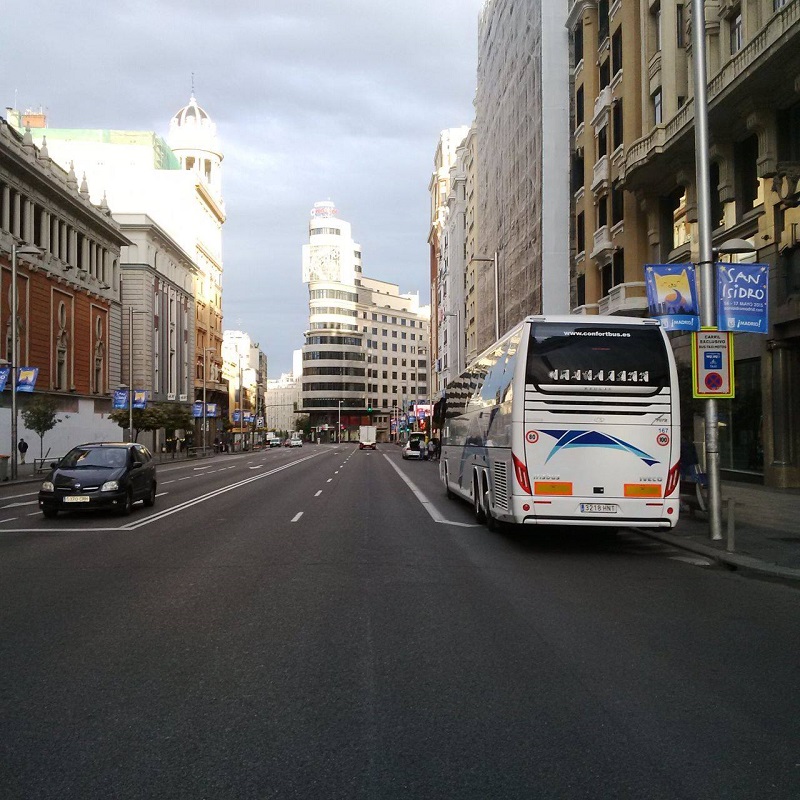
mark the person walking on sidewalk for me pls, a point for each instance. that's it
(23, 449)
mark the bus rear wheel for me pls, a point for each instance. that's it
(491, 521)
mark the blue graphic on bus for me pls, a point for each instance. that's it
(566, 440)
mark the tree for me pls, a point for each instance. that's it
(144, 419)
(40, 417)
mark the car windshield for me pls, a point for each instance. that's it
(94, 457)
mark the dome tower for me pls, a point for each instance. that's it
(193, 138)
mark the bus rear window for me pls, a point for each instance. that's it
(566, 354)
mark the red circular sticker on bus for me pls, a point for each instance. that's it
(662, 439)
(532, 437)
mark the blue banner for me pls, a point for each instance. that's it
(236, 415)
(672, 295)
(139, 398)
(120, 398)
(212, 410)
(197, 408)
(4, 373)
(26, 378)
(742, 298)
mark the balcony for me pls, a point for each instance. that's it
(601, 175)
(602, 107)
(588, 310)
(603, 248)
(625, 298)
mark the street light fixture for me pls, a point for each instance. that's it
(25, 250)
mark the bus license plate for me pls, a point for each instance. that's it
(598, 508)
(76, 498)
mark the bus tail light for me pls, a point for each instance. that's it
(521, 471)
(673, 479)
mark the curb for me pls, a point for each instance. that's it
(735, 560)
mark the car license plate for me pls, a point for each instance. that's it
(76, 498)
(598, 508)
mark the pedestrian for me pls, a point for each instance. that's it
(423, 449)
(431, 450)
(23, 449)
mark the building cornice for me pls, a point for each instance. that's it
(577, 10)
(209, 200)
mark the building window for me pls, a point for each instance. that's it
(577, 42)
(680, 26)
(602, 212)
(658, 112)
(602, 143)
(605, 74)
(736, 33)
(618, 267)
(580, 233)
(602, 21)
(616, 51)
(655, 27)
(617, 204)
(616, 121)
(580, 290)
(579, 106)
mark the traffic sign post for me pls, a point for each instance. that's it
(712, 364)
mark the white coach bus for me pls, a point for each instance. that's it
(567, 420)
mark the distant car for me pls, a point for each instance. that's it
(287, 442)
(412, 449)
(295, 441)
(274, 442)
(100, 475)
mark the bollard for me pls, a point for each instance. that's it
(730, 546)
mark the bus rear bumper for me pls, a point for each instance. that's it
(611, 513)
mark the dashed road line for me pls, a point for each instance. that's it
(318, 493)
(10, 519)
(297, 516)
(161, 494)
(329, 480)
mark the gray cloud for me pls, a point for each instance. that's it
(313, 100)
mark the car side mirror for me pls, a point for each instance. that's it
(137, 465)
(53, 464)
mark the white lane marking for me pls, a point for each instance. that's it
(161, 494)
(427, 504)
(260, 466)
(329, 480)
(17, 496)
(318, 493)
(187, 478)
(693, 560)
(297, 517)
(203, 467)
(209, 495)
(10, 519)
(336, 472)
(35, 514)
(17, 505)
(164, 483)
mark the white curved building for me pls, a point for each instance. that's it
(334, 357)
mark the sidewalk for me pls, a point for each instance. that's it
(766, 531)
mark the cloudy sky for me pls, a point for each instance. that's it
(313, 101)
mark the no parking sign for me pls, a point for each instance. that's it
(712, 364)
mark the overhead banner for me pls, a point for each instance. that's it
(742, 298)
(120, 398)
(197, 408)
(212, 410)
(672, 295)
(4, 373)
(26, 378)
(140, 398)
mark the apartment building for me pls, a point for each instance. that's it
(634, 190)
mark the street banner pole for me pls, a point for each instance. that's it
(705, 260)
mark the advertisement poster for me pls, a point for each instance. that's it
(212, 410)
(672, 295)
(139, 398)
(4, 372)
(120, 398)
(742, 298)
(26, 378)
(197, 408)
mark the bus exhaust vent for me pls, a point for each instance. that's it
(500, 488)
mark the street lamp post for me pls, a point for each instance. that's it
(131, 312)
(206, 350)
(339, 426)
(25, 250)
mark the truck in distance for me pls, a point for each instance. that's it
(367, 437)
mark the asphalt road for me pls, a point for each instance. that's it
(296, 624)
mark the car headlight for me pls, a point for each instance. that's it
(47, 486)
(110, 486)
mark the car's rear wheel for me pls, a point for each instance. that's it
(49, 513)
(150, 500)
